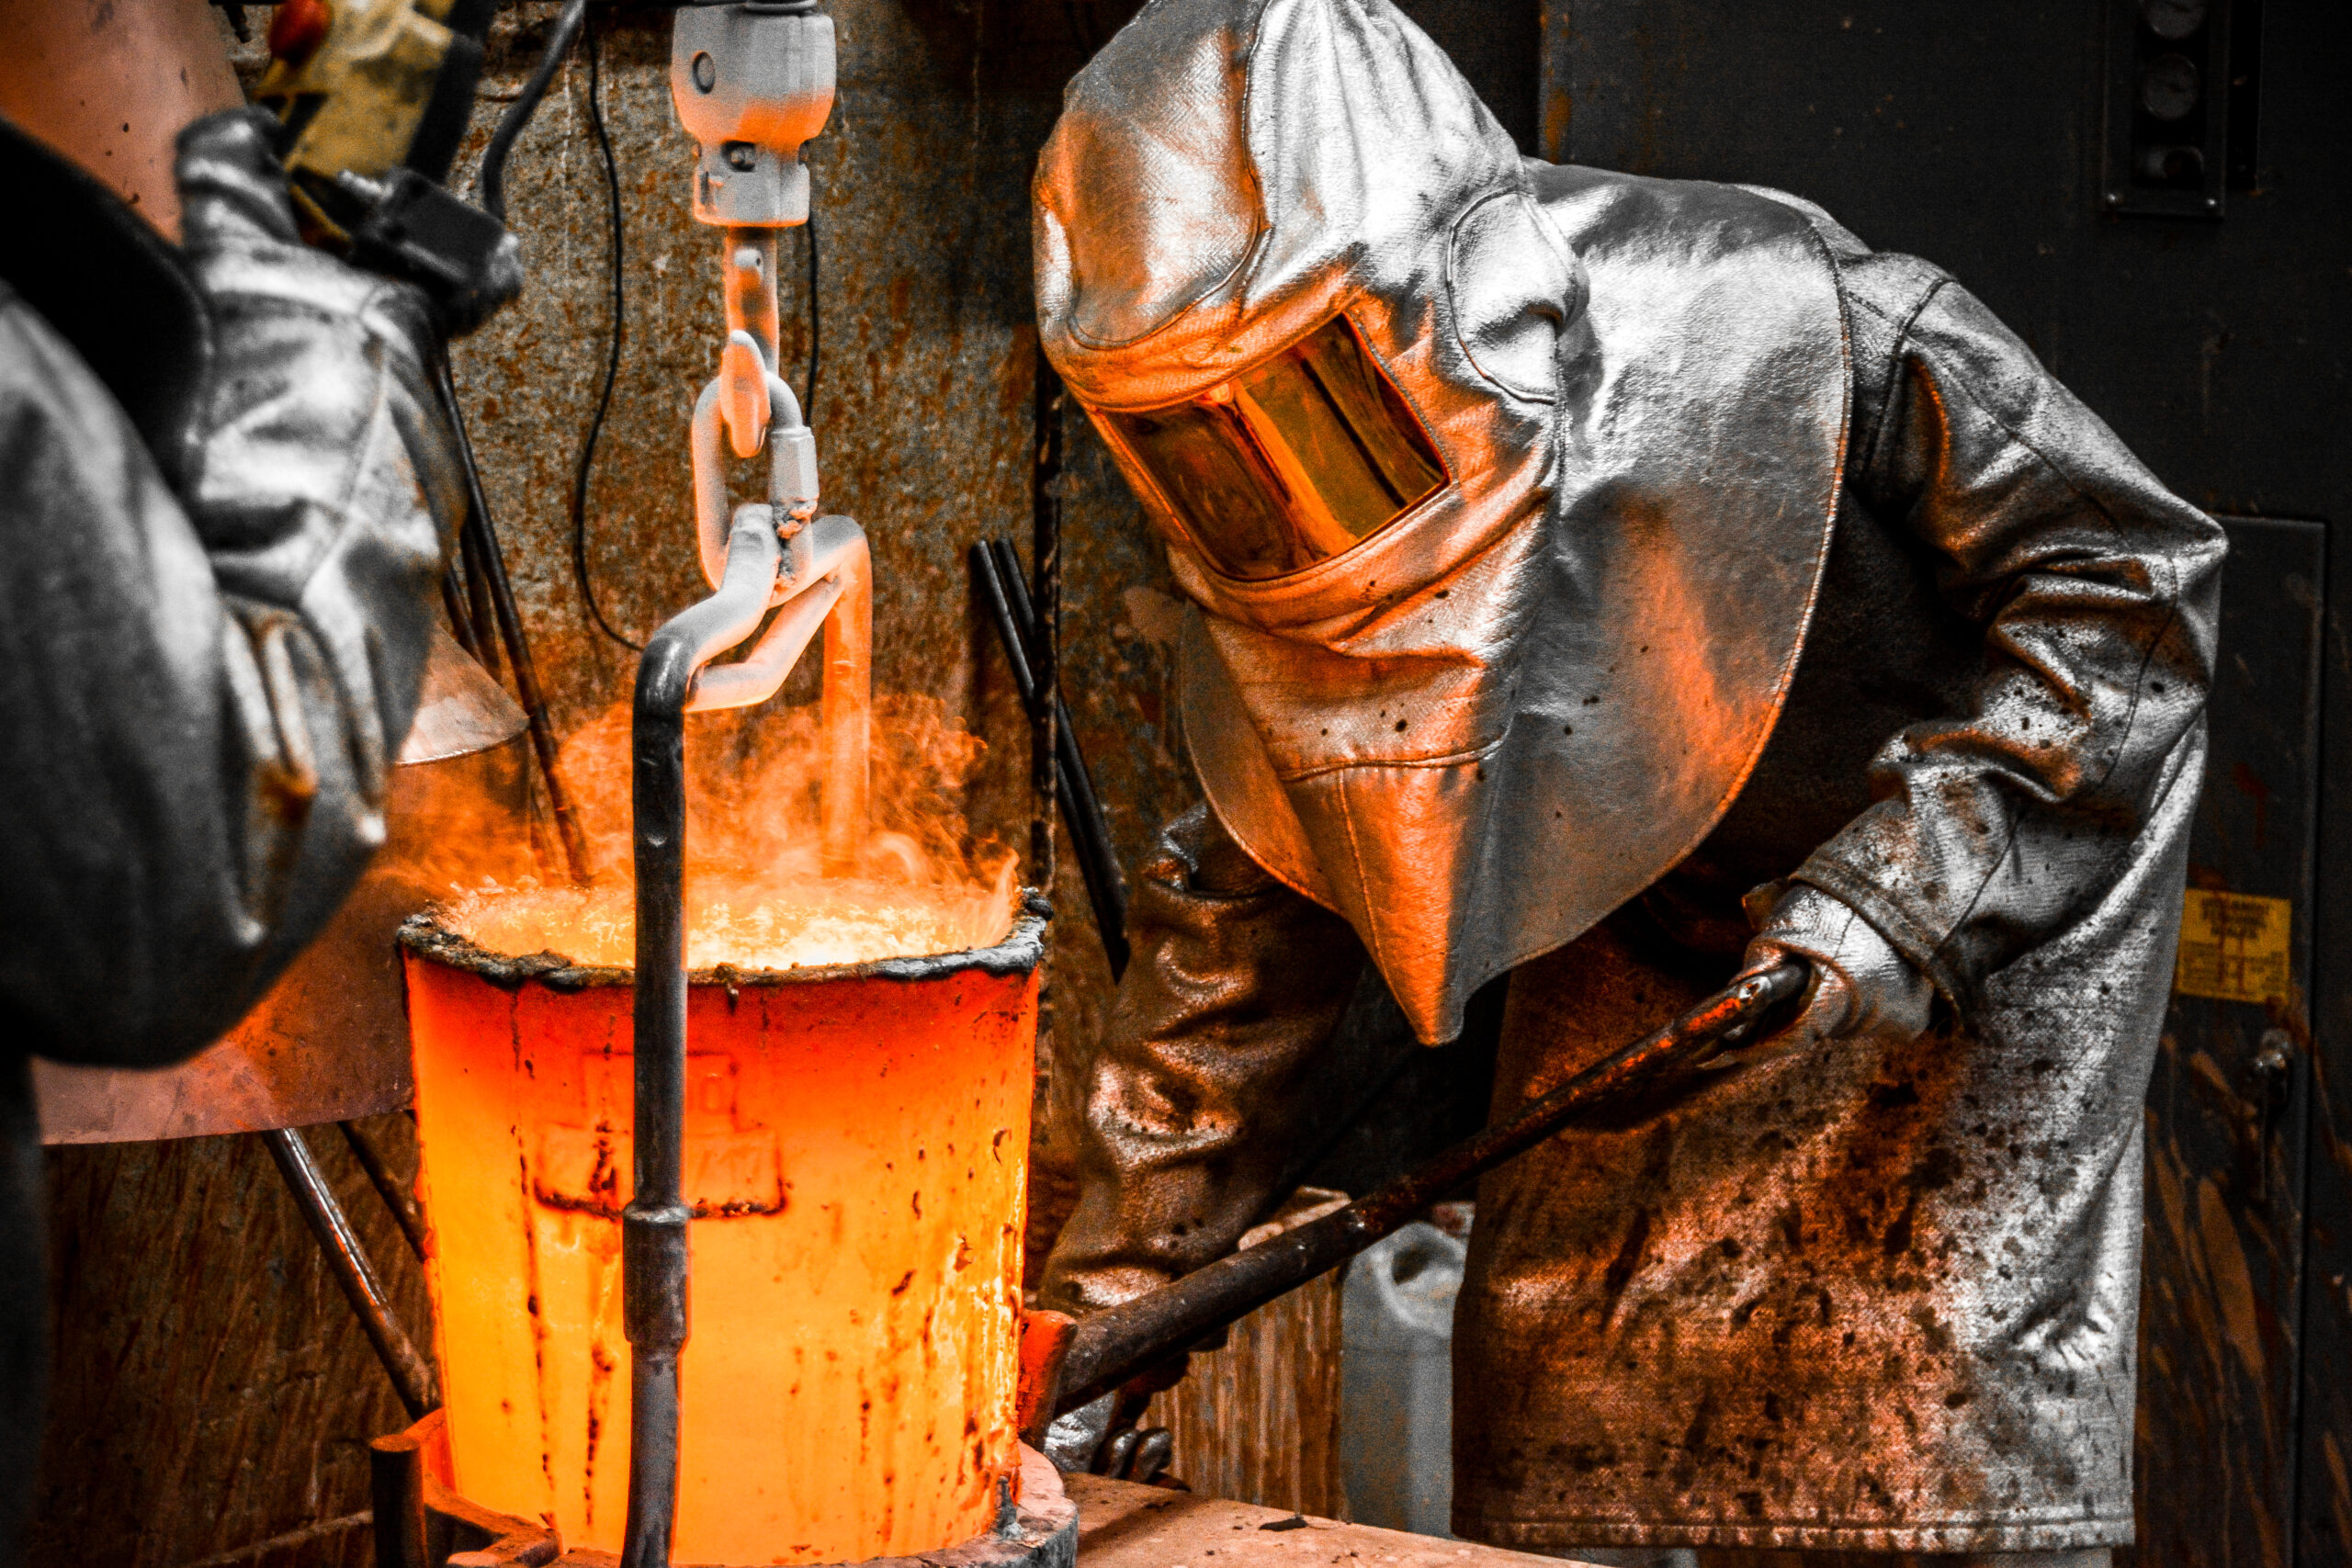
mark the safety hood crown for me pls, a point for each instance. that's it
(1224, 172)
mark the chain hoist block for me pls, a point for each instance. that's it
(752, 81)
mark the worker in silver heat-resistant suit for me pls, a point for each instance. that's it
(224, 475)
(1614, 582)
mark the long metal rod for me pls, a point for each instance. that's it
(653, 1226)
(1100, 875)
(453, 607)
(510, 632)
(1090, 831)
(481, 620)
(397, 1198)
(1045, 648)
(1111, 1346)
(411, 1373)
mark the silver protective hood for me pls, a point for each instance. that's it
(1484, 727)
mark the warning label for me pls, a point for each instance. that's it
(2234, 947)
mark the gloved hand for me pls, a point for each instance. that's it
(320, 471)
(1102, 1438)
(1860, 984)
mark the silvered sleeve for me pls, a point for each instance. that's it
(2096, 589)
(1196, 1096)
(204, 691)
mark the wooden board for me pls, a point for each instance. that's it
(1125, 1525)
(1259, 1420)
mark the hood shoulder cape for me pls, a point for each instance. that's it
(1671, 582)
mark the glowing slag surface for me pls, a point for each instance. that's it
(756, 897)
(743, 921)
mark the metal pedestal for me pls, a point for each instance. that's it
(422, 1523)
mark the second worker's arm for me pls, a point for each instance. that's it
(1195, 1096)
(205, 682)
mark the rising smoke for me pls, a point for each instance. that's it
(755, 896)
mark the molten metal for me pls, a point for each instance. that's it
(744, 922)
(856, 1143)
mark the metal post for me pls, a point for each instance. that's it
(1081, 809)
(1044, 656)
(411, 1373)
(653, 1226)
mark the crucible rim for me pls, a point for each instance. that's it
(1017, 952)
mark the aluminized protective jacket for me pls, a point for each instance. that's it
(213, 625)
(206, 682)
(1876, 1291)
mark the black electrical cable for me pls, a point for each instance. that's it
(493, 180)
(616, 284)
(612, 354)
(815, 329)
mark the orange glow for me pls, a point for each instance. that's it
(855, 1152)
(743, 921)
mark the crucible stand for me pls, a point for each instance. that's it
(422, 1523)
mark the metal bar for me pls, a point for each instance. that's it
(283, 1548)
(653, 1226)
(411, 1373)
(482, 619)
(751, 291)
(396, 1488)
(1090, 831)
(397, 1198)
(510, 631)
(453, 609)
(1111, 1346)
(846, 718)
(1045, 651)
(1110, 918)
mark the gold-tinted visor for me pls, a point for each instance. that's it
(1289, 463)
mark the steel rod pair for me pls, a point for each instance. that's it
(411, 1374)
(996, 570)
(486, 565)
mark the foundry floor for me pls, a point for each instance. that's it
(1121, 1524)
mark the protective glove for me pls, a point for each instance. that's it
(321, 475)
(1100, 1437)
(1860, 984)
